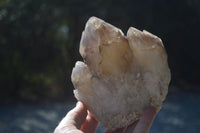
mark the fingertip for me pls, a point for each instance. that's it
(149, 114)
(80, 105)
(131, 127)
(77, 115)
(73, 119)
(144, 124)
(90, 125)
(91, 117)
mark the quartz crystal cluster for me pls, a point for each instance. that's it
(121, 76)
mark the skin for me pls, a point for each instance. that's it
(79, 120)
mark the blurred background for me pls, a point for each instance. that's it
(39, 45)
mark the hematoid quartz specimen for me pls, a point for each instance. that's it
(121, 76)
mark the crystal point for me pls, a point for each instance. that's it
(121, 75)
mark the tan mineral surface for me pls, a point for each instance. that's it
(121, 76)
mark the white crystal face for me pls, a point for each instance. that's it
(121, 76)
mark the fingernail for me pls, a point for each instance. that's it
(78, 103)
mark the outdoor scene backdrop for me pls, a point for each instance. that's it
(39, 41)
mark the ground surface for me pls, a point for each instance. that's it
(180, 113)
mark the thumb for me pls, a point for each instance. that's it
(74, 118)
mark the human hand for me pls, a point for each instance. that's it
(78, 120)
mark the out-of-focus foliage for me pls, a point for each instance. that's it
(39, 40)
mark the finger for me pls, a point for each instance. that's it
(90, 125)
(77, 116)
(146, 121)
(107, 131)
(131, 127)
(121, 130)
(74, 118)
